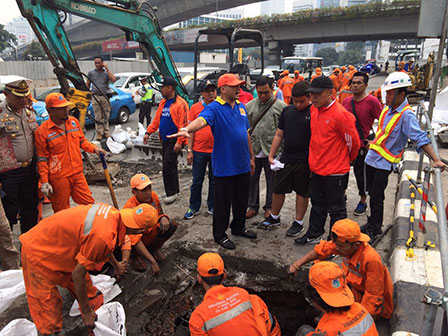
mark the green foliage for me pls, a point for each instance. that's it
(7, 40)
(35, 50)
(351, 56)
(356, 45)
(329, 55)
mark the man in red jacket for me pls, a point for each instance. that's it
(334, 144)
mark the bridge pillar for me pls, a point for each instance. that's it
(274, 53)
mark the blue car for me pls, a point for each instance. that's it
(123, 106)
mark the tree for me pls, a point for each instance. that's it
(35, 51)
(351, 56)
(329, 55)
(7, 40)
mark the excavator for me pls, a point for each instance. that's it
(137, 19)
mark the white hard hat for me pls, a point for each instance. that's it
(396, 80)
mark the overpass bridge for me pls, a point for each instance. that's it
(376, 21)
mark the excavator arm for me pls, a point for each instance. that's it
(138, 21)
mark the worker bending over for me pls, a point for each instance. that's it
(228, 310)
(148, 244)
(366, 274)
(64, 247)
(59, 160)
(330, 294)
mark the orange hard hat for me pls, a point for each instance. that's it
(56, 99)
(210, 264)
(297, 72)
(344, 68)
(351, 67)
(329, 281)
(285, 72)
(140, 181)
(337, 70)
(230, 80)
(348, 230)
(143, 216)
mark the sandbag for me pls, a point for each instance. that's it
(120, 135)
(105, 284)
(141, 133)
(11, 287)
(19, 327)
(111, 320)
(115, 147)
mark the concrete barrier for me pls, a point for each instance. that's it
(411, 278)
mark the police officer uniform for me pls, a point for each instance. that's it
(147, 94)
(18, 174)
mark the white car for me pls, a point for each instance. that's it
(130, 82)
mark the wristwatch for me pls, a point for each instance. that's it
(189, 150)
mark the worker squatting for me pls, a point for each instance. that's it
(320, 138)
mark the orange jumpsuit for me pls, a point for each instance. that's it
(151, 233)
(85, 235)
(298, 79)
(59, 162)
(286, 86)
(232, 311)
(344, 93)
(356, 321)
(367, 276)
(336, 85)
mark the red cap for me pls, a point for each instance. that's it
(55, 99)
(143, 216)
(140, 181)
(349, 231)
(329, 281)
(210, 264)
(230, 80)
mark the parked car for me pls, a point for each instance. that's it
(122, 103)
(130, 82)
(202, 76)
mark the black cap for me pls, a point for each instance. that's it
(169, 81)
(206, 84)
(300, 89)
(320, 84)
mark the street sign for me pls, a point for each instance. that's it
(432, 13)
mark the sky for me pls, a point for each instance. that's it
(9, 10)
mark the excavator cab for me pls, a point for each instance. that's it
(233, 38)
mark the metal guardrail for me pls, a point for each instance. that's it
(434, 299)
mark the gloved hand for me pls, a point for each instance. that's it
(46, 189)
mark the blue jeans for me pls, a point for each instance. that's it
(200, 161)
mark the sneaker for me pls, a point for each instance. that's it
(295, 229)
(245, 233)
(307, 240)
(170, 199)
(190, 213)
(360, 209)
(210, 211)
(270, 222)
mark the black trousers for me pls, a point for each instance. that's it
(359, 168)
(377, 180)
(254, 187)
(169, 164)
(230, 192)
(145, 112)
(327, 198)
(20, 187)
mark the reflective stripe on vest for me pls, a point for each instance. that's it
(379, 143)
(227, 316)
(88, 222)
(361, 328)
(347, 264)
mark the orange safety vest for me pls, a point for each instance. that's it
(379, 143)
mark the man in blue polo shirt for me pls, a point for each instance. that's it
(232, 159)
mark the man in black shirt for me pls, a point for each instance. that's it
(294, 130)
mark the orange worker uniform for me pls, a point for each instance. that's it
(229, 310)
(297, 77)
(345, 92)
(59, 159)
(286, 86)
(377, 94)
(366, 274)
(318, 73)
(351, 322)
(329, 281)
(178, 112)
(334, 78)
(85, 235)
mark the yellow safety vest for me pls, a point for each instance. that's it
(379, 143)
